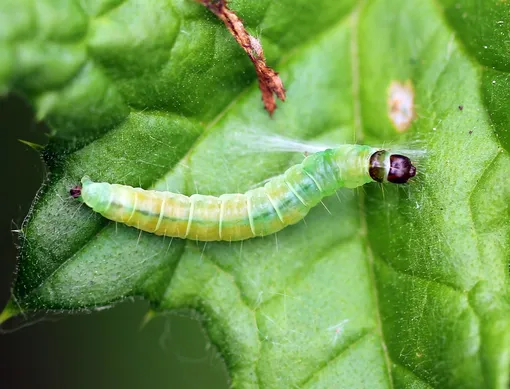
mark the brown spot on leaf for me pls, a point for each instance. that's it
(269, 82)
(401, 105)
(461, 107)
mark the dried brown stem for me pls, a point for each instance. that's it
(269, 82)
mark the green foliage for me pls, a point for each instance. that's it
(156, 94)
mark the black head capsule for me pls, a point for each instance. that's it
(394, 168)
(75, 192)
(401, 169)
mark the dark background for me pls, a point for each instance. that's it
(99, 350)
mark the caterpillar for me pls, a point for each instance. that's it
(282, 201)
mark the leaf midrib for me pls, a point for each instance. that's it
(358, 126)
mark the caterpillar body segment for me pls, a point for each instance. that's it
(282, 201)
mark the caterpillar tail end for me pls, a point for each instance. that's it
(76, 190)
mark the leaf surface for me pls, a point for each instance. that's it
(392, 288)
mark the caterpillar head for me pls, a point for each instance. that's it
(394, 168)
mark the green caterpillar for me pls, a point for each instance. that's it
(282, 201)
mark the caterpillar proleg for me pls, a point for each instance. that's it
(284, 200)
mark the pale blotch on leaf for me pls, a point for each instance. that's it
(401, 105)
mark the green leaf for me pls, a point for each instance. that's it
(396, 288)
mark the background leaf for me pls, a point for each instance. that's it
(406, 287)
